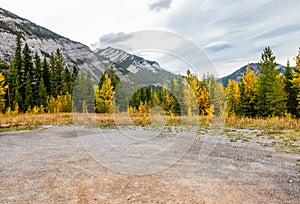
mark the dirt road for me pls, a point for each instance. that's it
(67, 165)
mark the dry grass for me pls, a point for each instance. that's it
(110, 120)
(264, 124)
(22, 121)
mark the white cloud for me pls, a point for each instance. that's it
(158, 5)
(232, 33)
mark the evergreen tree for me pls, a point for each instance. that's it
(114, 78)
(46, 76)
(36, 78)
(53, 77)
(17, 96)
(270, 94)
(58, 70)
(26, 79)
(291, 91)
(66, 81)
(80, 93)
(175, 88)
(90, 95)
(42, 93)
(15, 73)
(73, 78)
(121, 99)
(28, 94)
(4, 68)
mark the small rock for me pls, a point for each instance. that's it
(128, 198)
(290, 181)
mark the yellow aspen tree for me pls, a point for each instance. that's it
(104, 96)
(232, 98)
(247, 87)
(3, 88)
(296, 78)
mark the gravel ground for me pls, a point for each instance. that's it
(71, 164)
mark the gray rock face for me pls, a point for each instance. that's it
(131, 69)
(131, 63)
(45, 42)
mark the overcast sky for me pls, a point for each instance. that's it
(231, 33)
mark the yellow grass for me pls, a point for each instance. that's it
(274, 123)
(103, 120)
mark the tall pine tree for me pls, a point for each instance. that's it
(14, 74)
(270, 94)
(291, 91)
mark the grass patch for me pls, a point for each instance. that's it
(31, 121)
(271, 124)
(286, 146)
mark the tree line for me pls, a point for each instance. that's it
(187, 95)
(267, 94)
(51, 86)
(35, 83)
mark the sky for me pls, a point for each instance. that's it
(230, 33)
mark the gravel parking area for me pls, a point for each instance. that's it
(71, 164)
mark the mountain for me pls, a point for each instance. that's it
(131, 69)
(135, 69)
(45, 42)
(237, 75)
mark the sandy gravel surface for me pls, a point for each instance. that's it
(64, 165)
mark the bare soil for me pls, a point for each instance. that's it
(51, 165)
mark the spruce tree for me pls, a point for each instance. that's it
(46, 76)
(66, 81)
(90, 95)
(26, 77)
(79, 93)
(53, 81)
(14, 73)
(36, 78)
(270, 94)
(174, 88)
(291, 91)
(28, 94)
(58, 71)
(42, 93)
(74, 76)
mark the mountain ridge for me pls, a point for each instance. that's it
(44, 42)
(138, 69)
(238, 74)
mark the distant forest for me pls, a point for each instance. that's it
(34, 85)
